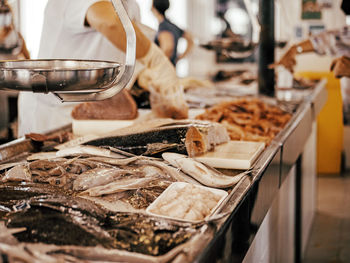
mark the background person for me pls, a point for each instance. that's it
(335, 43)
(12, 47)
(168, 34)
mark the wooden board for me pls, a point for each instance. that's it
(98, 127)
(233, 155)
(101, 127)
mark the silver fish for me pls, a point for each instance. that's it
(119, 186)
(10, 165)
(96, 177)
(114, 161)
(205, 175)
(18, 173)
(172, 172)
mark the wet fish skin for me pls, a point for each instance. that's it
(119, 186)
(137, 143)
(56, 217)
(96, 177)
(205, 175)
(19, 173)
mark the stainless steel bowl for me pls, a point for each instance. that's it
(58, 75)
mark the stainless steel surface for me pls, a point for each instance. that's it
(74, 80)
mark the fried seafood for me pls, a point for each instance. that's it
(248, 119)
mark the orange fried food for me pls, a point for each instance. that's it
(248, 119)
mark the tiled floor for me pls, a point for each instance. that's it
(330, 236)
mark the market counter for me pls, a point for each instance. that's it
(269, 211)
(273, 209)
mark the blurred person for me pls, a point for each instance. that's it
(335, 43)
(341, 67)
(12, 47)
(168, 33)
(91, 30)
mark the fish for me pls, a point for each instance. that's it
(42, 156)
(118, 186)
(96, 177)
(204, 174)
(191, 137)
(6, 166)
(50, 226)
(17, 173)
(87, 149)
(170, 171)
(114, 161)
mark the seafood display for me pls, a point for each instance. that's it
(187, 202)
(191, 137)
(34, 214)
(92, 201)
(137, 190)
(136, 181)
(248, 119)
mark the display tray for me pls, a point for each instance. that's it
(191, 210)
(233, 155)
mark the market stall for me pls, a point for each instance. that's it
(246, 216)
(233, 182)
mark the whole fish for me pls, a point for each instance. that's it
(97, 177)
(191, 137)
(202, 173)
(119, 186)
(17, 173)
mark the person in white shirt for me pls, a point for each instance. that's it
(90, 29)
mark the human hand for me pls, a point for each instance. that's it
(341, 67)
(159, 77)
(287, 60)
